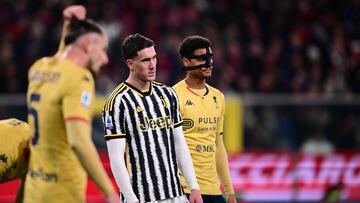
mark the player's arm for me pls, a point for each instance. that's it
(116, 151)
(222, 165)
(185, 165)
(79, 137)
(74, 11)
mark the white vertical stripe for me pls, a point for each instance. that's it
(168, 132)
(155, 155)
(143, 148)
(133, 145)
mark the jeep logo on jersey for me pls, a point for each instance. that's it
(204, 148)
(155, 123)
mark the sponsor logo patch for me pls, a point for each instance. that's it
(85, 99)
(108, 122)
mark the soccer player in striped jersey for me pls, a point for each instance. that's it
(142, 124)
(60, 96)
(14, 152)
(202, 108)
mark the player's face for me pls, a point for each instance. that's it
(97, 52)
(143, 66)
(202, 73)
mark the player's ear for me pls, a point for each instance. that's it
(86, 44)
(129, 63)
(185, 61)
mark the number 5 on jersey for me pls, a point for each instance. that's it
(33, 112)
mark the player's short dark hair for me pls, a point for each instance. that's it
(192, 43)
(78, 28)
(134, 43)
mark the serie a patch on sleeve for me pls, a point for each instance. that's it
(85, 99)
(108, 122)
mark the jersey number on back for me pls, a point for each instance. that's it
(32, 111)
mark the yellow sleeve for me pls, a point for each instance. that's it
(79, 137)
(79, 97)
(222, 166)
(77, 103)
(220, 127)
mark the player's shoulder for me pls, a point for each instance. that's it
(161, 85)
(74, 76)
(42, 63)
(180, 85)
(214, 90)
(116, 94)
(17, 127)
(165, 88)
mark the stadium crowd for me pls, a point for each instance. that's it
(301, 47)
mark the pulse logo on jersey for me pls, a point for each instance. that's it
(155, 123)
(189, 103)
(209, 120)
(85, 98)
(108, 122)
(187, 124)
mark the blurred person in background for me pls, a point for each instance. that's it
(145, 141)
(60, 96)
(14, 152)
(203, 107)
(317, 144)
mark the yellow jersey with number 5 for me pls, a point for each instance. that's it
(58, 90)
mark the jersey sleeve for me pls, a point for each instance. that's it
(220, 127)
(114, 121)
(78, 98)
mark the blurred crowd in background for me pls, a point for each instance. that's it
(299, 47)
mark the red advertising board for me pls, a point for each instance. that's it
(271, 176)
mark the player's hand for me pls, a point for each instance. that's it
(230, 198)
(77, 11)
(113, 198)
(195, 196)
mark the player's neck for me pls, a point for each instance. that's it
(195, 83)
(75, 55)
(139, 84)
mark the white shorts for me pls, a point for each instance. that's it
(180, 199)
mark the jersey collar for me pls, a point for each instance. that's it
(206, 93)
(143, 94)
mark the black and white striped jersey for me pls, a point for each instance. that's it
(147, 121)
